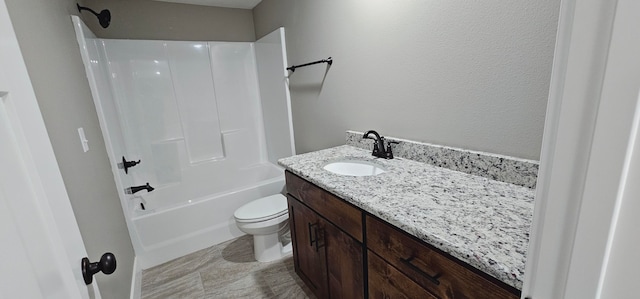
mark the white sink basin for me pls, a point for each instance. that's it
(354, 168)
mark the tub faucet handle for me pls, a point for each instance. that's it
(128, 164)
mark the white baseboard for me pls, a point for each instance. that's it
(136, 280)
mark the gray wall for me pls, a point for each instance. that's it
(51, 53)
(470, 74)
(147, 19)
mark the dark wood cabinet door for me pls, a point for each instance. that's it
(344, 263)
(308, 247)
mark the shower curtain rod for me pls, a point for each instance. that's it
(294, 67)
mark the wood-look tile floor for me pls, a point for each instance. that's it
(227, 270)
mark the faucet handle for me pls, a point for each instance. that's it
(389, 152)
(376, 148)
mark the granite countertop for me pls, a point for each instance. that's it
(480, 221)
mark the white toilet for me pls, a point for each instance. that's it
(264, 218)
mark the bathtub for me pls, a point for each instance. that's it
(169, 231)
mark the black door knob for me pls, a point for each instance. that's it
(107, 265)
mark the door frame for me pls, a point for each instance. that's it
(587, 138)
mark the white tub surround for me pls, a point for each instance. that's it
(207, 120)
(480, 221)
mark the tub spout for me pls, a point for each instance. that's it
(134, 189)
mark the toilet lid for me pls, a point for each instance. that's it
(262, 208)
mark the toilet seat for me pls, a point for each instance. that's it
(262, 209)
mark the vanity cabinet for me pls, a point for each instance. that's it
(340, 251)
(327, 241)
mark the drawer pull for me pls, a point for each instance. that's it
(433, 279)
(315, 230)
(314, 235)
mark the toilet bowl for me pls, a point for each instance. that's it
(265, 218)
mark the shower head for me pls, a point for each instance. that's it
(104, 17)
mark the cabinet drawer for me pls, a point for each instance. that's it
(334, 209)
(432, 270)
(385, 281)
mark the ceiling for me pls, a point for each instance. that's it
(246, 4)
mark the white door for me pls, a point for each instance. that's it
(40, 243)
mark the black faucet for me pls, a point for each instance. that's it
(378, 144)
(134, 189)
